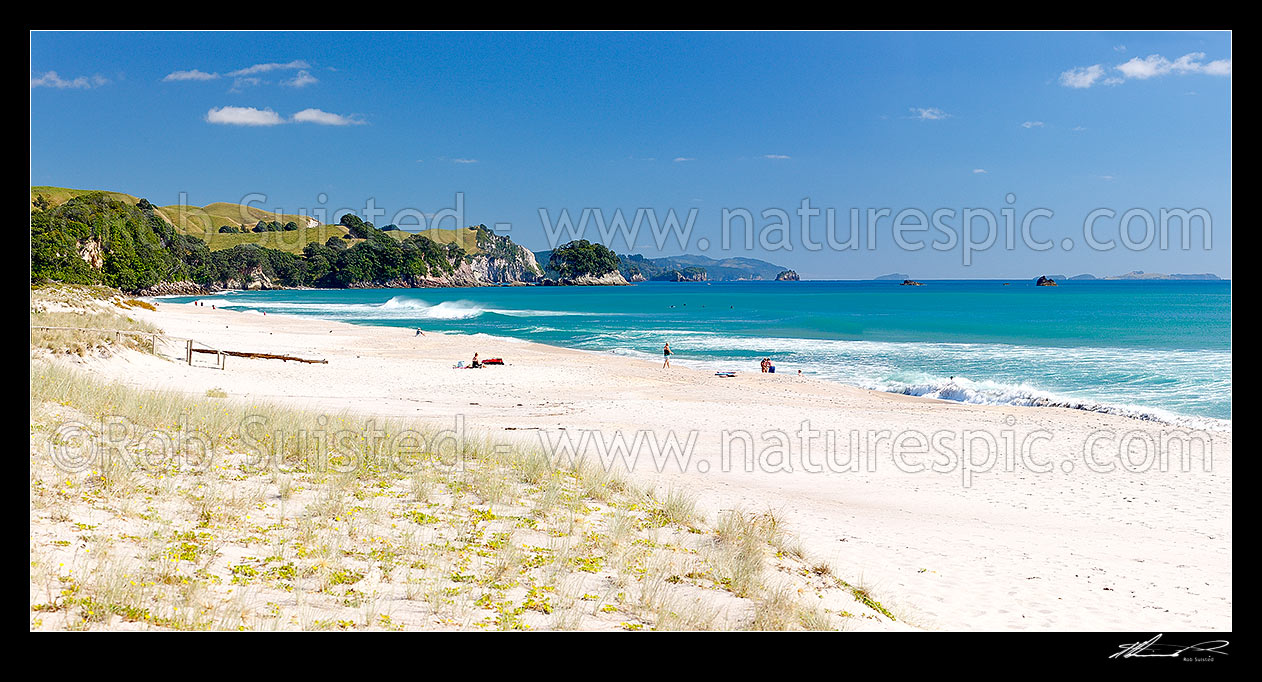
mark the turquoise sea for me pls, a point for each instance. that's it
(1149, 349)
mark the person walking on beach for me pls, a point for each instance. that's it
(666, 353)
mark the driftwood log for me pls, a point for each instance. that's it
(259, 356)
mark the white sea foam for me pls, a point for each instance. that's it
(419, 309)
(876, 366)
(959, 389)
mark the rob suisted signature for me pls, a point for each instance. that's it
(1152, 649)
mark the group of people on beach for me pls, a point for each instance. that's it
(767, 365)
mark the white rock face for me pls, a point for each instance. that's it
(181, 288)
(522, 267)
(91, 253)
(255, 279)
(613, 278)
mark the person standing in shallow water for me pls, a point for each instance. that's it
(666, 353)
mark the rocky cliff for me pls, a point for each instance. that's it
(614, 278)
(181, 288)
(503, 262)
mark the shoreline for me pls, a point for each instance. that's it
(1036, 398)
(962, 548)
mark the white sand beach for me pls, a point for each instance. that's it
(1008, 548)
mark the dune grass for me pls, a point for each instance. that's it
(86, 309)
(85, 339)
(215, 513)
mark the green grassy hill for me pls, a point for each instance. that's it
(200, 220)
(466, 238)
(291, 241)
(204, 222)
(194, 220)
(56, 196)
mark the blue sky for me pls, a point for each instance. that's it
(518, 122)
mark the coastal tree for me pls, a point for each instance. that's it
(581, 257)
(355, 226)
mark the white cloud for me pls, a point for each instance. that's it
(1083, 77)
(464, 160)
(239, 84)
(777, 157)
(301, 80)
(50, 79)
(250, 116)
(681, 159)
(270, 66)
(980, 171)
(324, 118)
(247, 77)
(1078, 129)
(1119, 48)
(190, 75)
(1032, 124)
(929, 114)
(243, 116)
(1155, 65)
(1218, 67)
(1152, 66)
